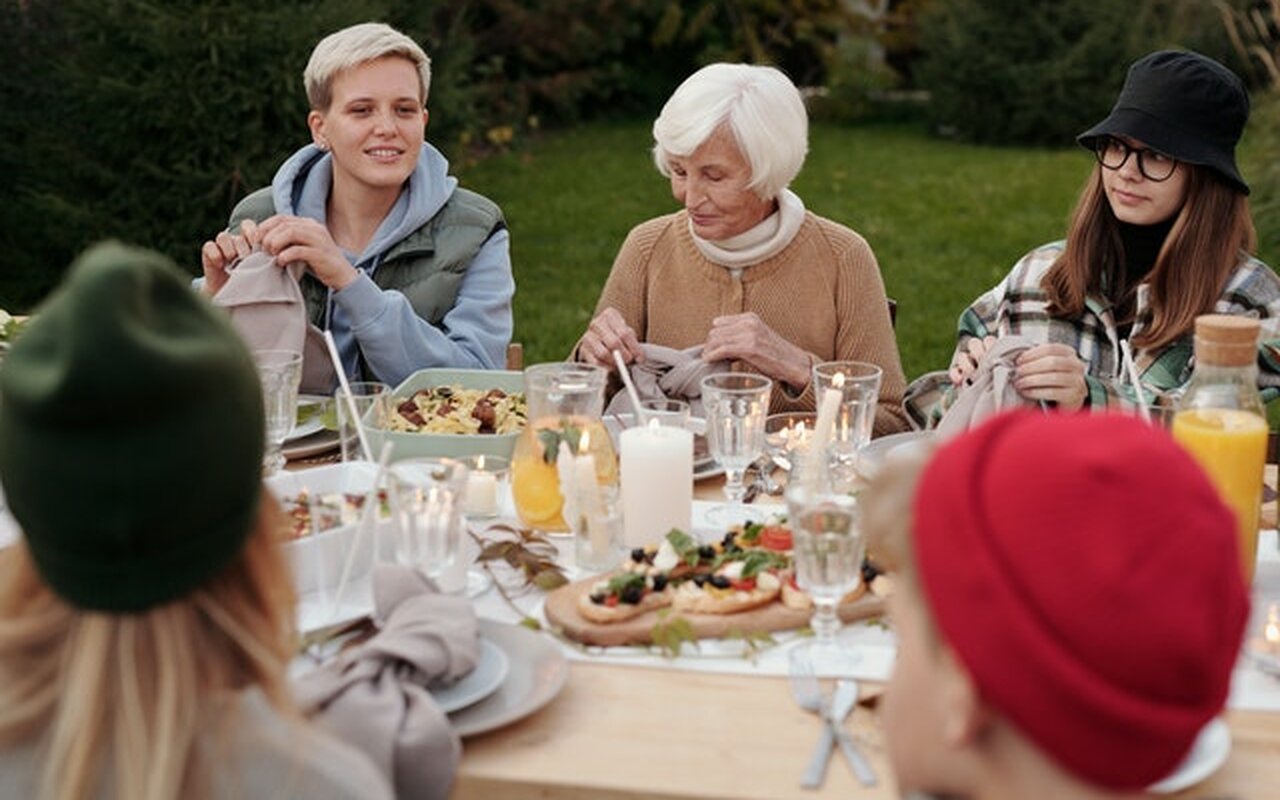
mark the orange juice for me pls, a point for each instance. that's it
(535, 479)
(1231, 446)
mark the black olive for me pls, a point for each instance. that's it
(597, 598)
(706, 552)
(699, 580)
(637, 555)
(444, 391)
(728, 540)
(719, 581)
(631, 595)
(659, 582)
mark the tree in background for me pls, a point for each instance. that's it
(1041, 71)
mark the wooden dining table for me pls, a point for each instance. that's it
(629, 732)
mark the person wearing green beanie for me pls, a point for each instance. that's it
(147, 612)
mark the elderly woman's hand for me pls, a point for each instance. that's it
(606, 333)
(745, 337)
(292, 239)
(966, 359)
(1052, 372)
(223, 249)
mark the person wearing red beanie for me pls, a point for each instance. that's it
(1070, 610)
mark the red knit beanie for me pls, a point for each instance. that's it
(1088, 576)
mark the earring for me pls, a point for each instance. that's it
(323, 145)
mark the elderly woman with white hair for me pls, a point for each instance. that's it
(744, 269)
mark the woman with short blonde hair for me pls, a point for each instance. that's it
(147, 613)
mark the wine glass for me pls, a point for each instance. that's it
(735, 404)
(279, 371)
(828, 550)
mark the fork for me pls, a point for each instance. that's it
(807, 693)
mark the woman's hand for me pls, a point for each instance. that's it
(291, 239)
(606, 333)
(1052, 372)
(223, 249)
(745, 337)
(966, 360)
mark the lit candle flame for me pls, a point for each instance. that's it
(838, 380)
(1271, 632)
(584, 443)
(653, 424)
(480, 463)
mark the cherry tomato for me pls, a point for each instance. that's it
(776, 537)
(745, 585)
(611, 601)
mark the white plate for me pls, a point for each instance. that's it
(538, 672)
(1210, 751)
(490, 670)
(319, 442)
(309, 426)
(878, 449)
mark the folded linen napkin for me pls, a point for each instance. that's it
(668, 374)
(266, 306)
(374, 695)
(991, 390)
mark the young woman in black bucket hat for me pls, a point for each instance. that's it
(1161, 234)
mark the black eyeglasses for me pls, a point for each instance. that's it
(1112, 153)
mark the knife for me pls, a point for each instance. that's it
(857, 762)
(842, 702)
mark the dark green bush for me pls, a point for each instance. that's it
(1041, 71)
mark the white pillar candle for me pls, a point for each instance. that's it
(822, 427)
(482, 494)
(657, 482)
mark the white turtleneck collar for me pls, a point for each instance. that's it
(759, 243)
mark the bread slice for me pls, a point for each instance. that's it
(800, 599)
(604, 614)
(693, 599)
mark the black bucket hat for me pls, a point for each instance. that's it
(1185, 105)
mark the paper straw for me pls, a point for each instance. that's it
(346, 393)
(1132, 369)
(368, 517)
(631, 387)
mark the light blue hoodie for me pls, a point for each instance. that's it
(380, 323)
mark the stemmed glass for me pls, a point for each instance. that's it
(427, 498)
(735, 404)
(280, 371)
(828, 550)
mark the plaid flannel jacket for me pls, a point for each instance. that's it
(1017, 306)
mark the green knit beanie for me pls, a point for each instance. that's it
(131, 434)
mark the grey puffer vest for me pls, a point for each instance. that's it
(427, 266)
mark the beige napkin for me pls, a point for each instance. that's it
(374, 695)
(266, 306)
(668, 374)
(991, 390)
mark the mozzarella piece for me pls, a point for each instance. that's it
(768, 582)
(732, 570)
(666, 558)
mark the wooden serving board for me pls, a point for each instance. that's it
(562, 610)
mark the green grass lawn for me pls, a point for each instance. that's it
(945, 220)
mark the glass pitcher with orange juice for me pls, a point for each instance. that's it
(1221, 421)
(565, 402)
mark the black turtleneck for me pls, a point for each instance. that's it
(1142, 244)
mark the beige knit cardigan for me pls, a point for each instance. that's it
(823, 293)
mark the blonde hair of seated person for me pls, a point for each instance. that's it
(132, 695)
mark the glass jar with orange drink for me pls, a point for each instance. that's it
(565, 401)
(1221, 420)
